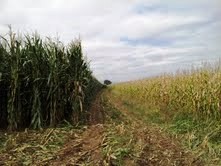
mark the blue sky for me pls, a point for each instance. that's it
(125, 39)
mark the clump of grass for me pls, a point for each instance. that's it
(42, 82)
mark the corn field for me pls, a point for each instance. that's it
(42, 82)
(197, 91)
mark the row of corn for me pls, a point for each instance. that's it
(197, 91)
(42, 82)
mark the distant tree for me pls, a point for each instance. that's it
(107, 82)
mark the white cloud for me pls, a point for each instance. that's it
(159, 33)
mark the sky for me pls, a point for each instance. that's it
(125, 40)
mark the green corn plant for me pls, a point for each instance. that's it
(43, 82)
